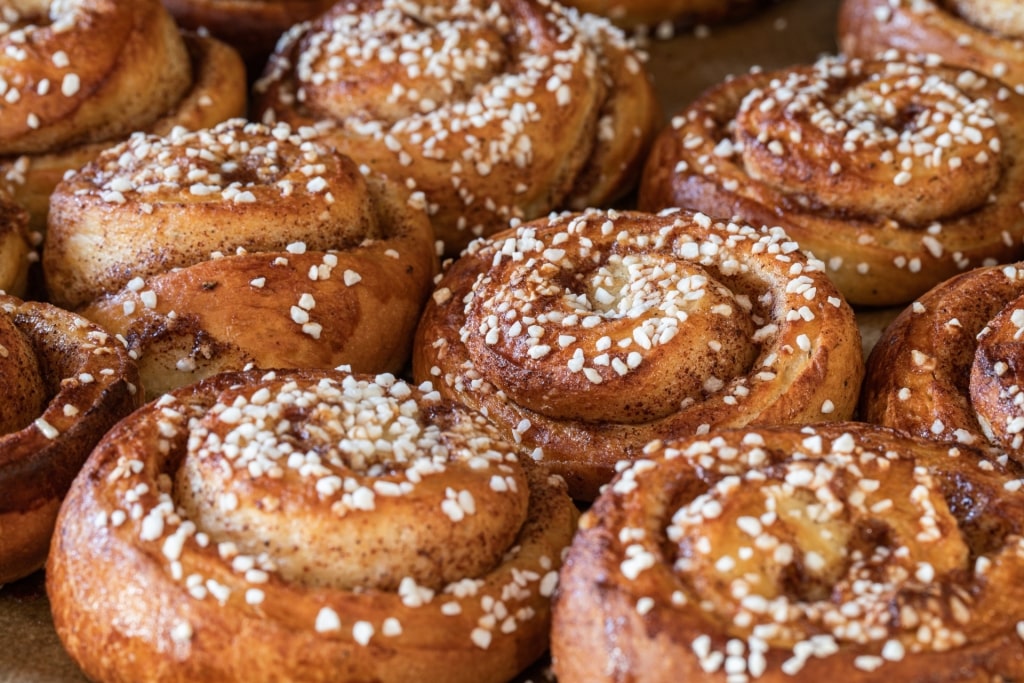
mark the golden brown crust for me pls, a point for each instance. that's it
(174, 594)
(642, 327)
(239, 245)
(651, 13)
(947, 367)
(492, 115)
(251, 26)
(215, 92)
(988, 44)
(843, 552)
(66, 383)
(897, 174)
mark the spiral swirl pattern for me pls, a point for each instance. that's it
(309, 525)
(493, 109)
(949, 366)
(844, 552)
(312, 263)
(642, 326)
(897, 174)
(66, 382)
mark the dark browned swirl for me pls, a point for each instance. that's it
(951, 366)
(66, 382)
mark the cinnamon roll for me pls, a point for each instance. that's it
(66, 382)
(242, 244)
(250, 26)
(494, 109)
(897, 174)
(984, 35)
(307, 526)
(642, 326)
(635, 14)
(81, 75)
(947, 368)
(840, 552)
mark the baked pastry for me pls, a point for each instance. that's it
(635, 14)
(984, 35)
(642, 326)
(250, 26)
(66, 382)
(16, 252)
(97, 71)
(842, 552)
(307, 526)
(897, 174)
(948, 366)
(242, 244)
(493, 109)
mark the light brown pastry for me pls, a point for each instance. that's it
(897, 174)
(636, 14)
(494, 109)
(307, 526)
(66, 382)
(984, 35)
(97, 71)
(949, 367)
(242, 244)
(843, 552)
(585, 336)
(250, 26)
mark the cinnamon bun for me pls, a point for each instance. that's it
(66, 382)
(948, 367)
(494, 109)
(96, 71)
(642, 326)
(842, 552)
(897, 174)
(984, 35)
(307, 526)
(242, 244)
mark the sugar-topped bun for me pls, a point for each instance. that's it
(307, 526)
(585, 336)
(240, 244)
(842, 552)
(493, 109)
(96, 71)
(983, 35)
(896, 173)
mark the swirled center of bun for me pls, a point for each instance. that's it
(899, 130)
(335, 482)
